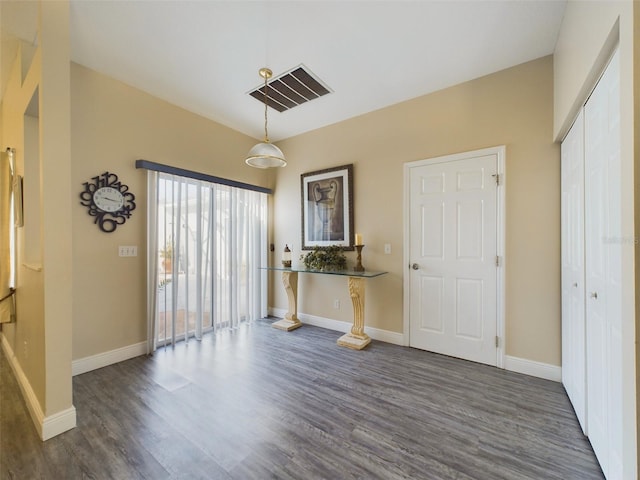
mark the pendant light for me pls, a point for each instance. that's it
(265, 154)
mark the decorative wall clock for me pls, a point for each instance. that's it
(109, 200)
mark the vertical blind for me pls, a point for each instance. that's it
(207, 242)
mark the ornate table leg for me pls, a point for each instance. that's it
(356, 339)
(290, 320)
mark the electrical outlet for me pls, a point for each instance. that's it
(387, 249)
(25, 349)
(336, 304)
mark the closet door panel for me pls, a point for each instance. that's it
(572, 250)
(603, 238)
(614, 277)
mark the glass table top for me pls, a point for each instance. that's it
(344, 273)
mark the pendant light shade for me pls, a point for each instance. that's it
(265, 154)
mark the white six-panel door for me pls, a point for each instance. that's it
(573, 282)
(453, 248)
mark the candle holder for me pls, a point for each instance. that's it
(359, 267)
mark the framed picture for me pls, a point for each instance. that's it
(327, 208)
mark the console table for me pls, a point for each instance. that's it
(356, 338)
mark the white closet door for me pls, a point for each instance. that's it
(603, 270)
(573, 293)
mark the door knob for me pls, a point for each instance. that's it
(415, 266)
(594, 295)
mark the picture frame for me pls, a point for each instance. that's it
(327, 208)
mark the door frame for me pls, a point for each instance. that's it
(500, 152)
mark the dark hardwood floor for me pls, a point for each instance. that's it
(261, 403)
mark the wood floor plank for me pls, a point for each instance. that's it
(259, 403)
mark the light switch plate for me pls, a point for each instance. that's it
(128, 251)
(387, 249)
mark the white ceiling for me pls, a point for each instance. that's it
(204, 55)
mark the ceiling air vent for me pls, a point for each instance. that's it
(291, 89)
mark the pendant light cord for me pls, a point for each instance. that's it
(265, 154)
(266, 133)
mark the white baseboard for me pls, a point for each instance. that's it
(533, 368)
(47, 427)
(513, 364)
(104, 359)
(58, 423)
(344, 327)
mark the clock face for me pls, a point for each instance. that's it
(108, 199)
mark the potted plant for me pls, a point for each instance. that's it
(325, 258)
(167, 257)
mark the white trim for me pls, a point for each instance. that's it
(58, 423)
(33, 405)
(501, 250)
(500, 152)
(533, 368)
(340, 326)
(513, 364)
(47, 427)
(104, 359)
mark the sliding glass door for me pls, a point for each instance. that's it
(210, 242)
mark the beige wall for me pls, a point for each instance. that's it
(40, 340)
(55, 153)
(589, 32)
(513, 107)
(113, 125)
(26, 337)
(584, 44)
